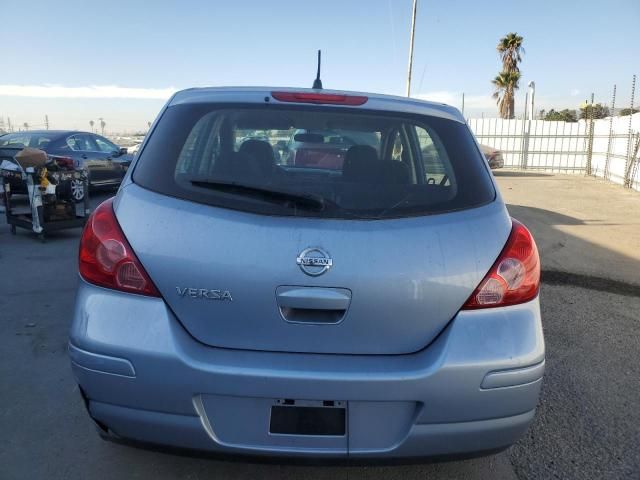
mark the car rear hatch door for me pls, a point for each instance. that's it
(237, 279)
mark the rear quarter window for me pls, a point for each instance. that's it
(353, 163)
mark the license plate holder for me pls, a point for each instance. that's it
(308, 420)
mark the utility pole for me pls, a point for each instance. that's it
(9, 124)
(413, 31)
(463, 104)
(46, 122)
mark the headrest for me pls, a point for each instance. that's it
(361, 164)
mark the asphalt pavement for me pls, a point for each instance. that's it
(587, 426)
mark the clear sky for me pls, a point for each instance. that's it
(80, 60)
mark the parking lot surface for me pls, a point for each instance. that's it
(588, 422)
(583, 226)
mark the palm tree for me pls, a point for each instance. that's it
(506, 83)
(91, 123)
(510, 51)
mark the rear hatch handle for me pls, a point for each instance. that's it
(315, 305)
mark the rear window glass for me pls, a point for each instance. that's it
(26, 139)
(324, 162)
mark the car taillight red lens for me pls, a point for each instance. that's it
(106, 258)
(320, 98)
(514, 278)
(65, 162)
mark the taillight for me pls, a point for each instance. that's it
(320, 98)
(66, 162)
(106, 258)
(514, 277)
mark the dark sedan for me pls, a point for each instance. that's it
(106, 163)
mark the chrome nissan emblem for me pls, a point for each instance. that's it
(314, 261)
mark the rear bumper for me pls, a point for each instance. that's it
(474, 389)
(428, 440)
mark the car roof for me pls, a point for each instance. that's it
(259, 95)
(50, 132)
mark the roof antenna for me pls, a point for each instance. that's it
(317, 83)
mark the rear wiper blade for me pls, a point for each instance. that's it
(312, 202)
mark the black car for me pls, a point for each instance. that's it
(105, 162)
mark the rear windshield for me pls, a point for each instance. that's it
(26, 139)
(313, 161)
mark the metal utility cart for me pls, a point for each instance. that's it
(53, 197)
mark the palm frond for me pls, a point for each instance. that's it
(510, 51)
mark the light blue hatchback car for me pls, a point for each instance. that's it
(234, 300)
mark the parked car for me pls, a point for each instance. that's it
(106, 163)
(493, 156)
(133, 149)
(232, 304)
(324, 149)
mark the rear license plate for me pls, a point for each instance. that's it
(290, 420)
